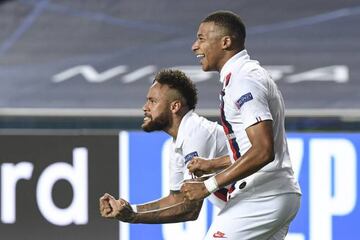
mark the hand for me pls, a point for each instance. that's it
(194, 191)
(199, 166)
(119, 209)
(104, 205)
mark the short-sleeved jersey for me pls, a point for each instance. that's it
(249, 96)
(200, 137)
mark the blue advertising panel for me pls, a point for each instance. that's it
(324, 163)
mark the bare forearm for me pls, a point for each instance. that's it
(260, 154)
(149, 206)
(220, 163)
(172, 199)
(249, 163)
(180, 212)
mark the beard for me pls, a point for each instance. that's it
(163, 121)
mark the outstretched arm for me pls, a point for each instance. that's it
(170, 209)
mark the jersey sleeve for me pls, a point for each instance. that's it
(250, 97)
(176, 172)
(202, 144)
(206, 140)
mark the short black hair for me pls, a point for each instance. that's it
(231, 22)
(176, 79)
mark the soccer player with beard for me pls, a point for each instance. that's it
(170, 105)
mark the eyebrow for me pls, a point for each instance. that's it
(151, 98)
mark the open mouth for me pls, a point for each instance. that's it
(200, 57)
(147, 118)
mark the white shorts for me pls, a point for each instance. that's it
(262, 218)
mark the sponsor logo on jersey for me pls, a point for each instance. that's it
(190, 156)
(219, 234)
(243, 99)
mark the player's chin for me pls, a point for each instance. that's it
(205, 67)
(147, 127)
(144, 125)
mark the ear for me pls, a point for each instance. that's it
(226, 42)
(175, 106)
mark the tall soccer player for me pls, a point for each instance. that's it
(264, 195)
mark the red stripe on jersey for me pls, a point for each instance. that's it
(226, 125)
(232, 188)
(227, 79)
(221, 194)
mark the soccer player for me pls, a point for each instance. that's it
(264, 195)
(170, 105)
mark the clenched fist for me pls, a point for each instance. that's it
(112, 208)
(194, 190)
(199, 166)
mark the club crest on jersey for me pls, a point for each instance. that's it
(190, 156)
(243, 99)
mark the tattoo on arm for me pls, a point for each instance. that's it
(168, 210)
(180, 212)
(148, 206)
(157, 204)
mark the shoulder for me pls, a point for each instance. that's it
(250, 75)
(200, 127)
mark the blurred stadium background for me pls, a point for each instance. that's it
(73, 79)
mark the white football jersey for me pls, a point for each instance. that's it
(249, 95)
(200, 137)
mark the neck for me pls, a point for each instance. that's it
(175, 124)
(227, 56)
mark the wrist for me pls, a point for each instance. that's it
(211, 184)
(133, 218)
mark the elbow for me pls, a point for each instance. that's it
(195, 212)
(269, 156)
(194, 216)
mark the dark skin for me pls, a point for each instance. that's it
(170, 209)
(200, 166)
(214, 47)
(260, 154)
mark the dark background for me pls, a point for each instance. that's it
(39, 39)
(43, 150)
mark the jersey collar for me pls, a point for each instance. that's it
(226, 69)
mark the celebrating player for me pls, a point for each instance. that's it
(264, 196)
(169, 107)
